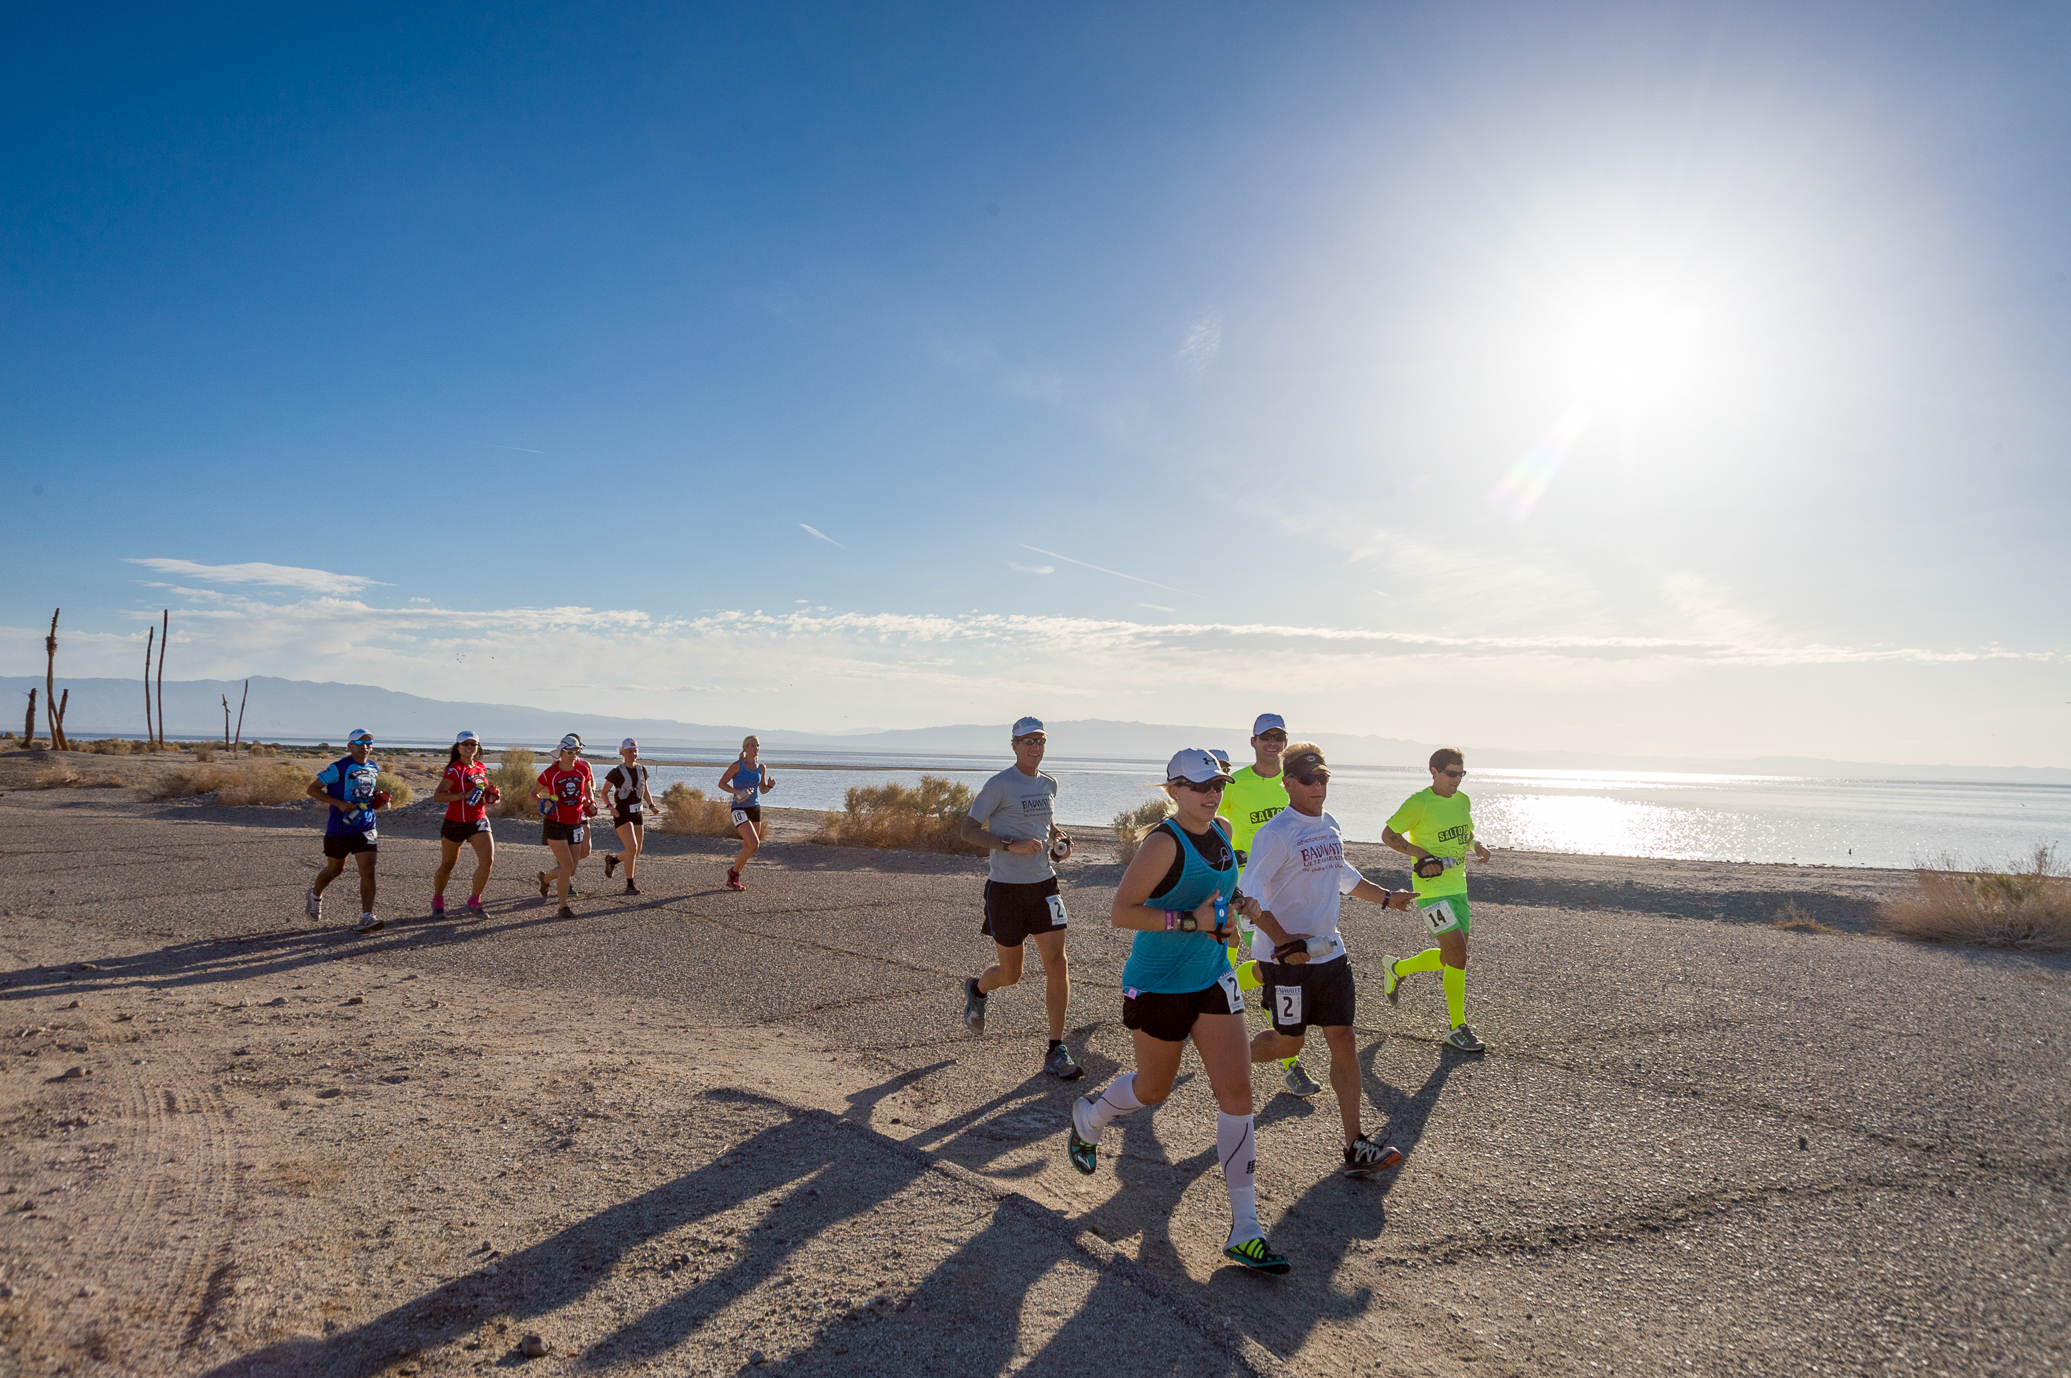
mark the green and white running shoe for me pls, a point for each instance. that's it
(1391, 983)
(1083, 1152)
(1255, 1253)
(1298, 1081)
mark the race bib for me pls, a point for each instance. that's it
(1230, 988)
(1287, 1004)
(1439, 916)
(578, 835)
(1056, 903)
(740, 816)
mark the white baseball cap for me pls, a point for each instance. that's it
(629, 742)
(466, 737)
(1219, 754)
(1195, 764)
(1268, 722)
(359, 734)
(571, 742)
(1024, 726)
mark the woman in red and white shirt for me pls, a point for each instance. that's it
(467, 795)
(567, 795)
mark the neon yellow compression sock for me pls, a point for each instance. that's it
(1427, 960)
(1287, 1062)
(1455, 994)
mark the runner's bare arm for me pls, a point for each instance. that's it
(1387, 899)
(1153, 859)
(1402, 844)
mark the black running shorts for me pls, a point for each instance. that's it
(750, 814)
(339, 846)
(1016, 913)
(1318, 993)
(453, 830)
(638, 820)
(1170, 1018)
(572, 833)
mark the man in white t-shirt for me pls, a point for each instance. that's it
(1014, 819)
(1297, 872)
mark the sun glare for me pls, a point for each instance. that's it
(1633, 347)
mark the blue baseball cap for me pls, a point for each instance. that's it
(1024, 726)
(1267, 722)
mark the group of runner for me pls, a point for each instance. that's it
(1245, 859)
(569, 799)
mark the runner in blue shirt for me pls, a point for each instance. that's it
(351, 785)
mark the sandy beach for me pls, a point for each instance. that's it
(704, 1132)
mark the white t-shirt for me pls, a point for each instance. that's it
(1298, 870)
(1013, 805)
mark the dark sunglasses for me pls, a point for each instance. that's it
(1280, 737)
(1314, 777)
(1455, 773)
(1204, 787)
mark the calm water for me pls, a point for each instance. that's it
(1703, 817)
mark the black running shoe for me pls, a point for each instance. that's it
(1059, 1064)
(610, 864)
(564, 912)
(631, 888)
(974, 1006)
(545, 886)
(1364, 1157)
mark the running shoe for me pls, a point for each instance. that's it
(610, 863)
(545, 887)
(313, 905)
(1464, 1040)
(1364, 1157)
(370, 924)
(1256, 1253)
(1083, 1152)
(1391, 981)
(733, 879)
(631, 888)
(474, 908)
(974, 1006)
(438, 906)
(1059, 1064)
(1298, 1081)
(564, 912)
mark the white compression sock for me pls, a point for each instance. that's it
(1117, 1098)
(1235, 1146)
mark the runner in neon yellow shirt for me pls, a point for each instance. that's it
(1435, 827)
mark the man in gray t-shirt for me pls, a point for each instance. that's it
(1014, 820)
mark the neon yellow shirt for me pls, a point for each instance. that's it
(1442, 827)
(1249, 801)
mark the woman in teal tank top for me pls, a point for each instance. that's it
(1177, 985)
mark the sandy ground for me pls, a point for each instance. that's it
(696, 1131)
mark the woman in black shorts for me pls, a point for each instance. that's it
(746, 779)
(467, 795)
(625, 785)
(1177, 985)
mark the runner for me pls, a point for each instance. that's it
(565, 790)
(1436, 827)
(627, 783)
(351, 785)
(467, 794)
(748, 780)
(1013, 818)
(1299, 874)
(1254, 796)
(1177, 984)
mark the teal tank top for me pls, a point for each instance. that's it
(1182, 963)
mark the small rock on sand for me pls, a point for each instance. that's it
(356, 1000)
(532, 1347)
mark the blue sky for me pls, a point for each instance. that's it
(1636, 378)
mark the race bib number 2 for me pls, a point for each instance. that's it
(1056, 903)
(1287, 1004)
(1230, 989)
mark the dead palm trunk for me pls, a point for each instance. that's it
(240, 716)
(64, 703)
(165, 636)
(226, 722)
(150, 637)
(29, 723)
(50, 685)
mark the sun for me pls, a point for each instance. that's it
(1633, 346)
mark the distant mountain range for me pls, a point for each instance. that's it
(298, 710)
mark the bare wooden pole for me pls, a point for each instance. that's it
(50, 685)
(150, 638)
(63, 704)
(240, 715)
(226, 722)
(165, 637)
(29, 723)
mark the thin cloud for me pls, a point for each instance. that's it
(1099, 570)
(1033, 569)
(1157, 607)
(280, 576)
(815, 531)
(1202, 343)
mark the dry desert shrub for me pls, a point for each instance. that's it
(399, 792)
(204, 752)
(927, 817)
(515, 776)
(186, 782)
(55, 777)
(687, 810)
(1792, 919)
(1132, 824)
(2028, 905)
(279, 783)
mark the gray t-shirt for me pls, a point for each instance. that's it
(1014, 805)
